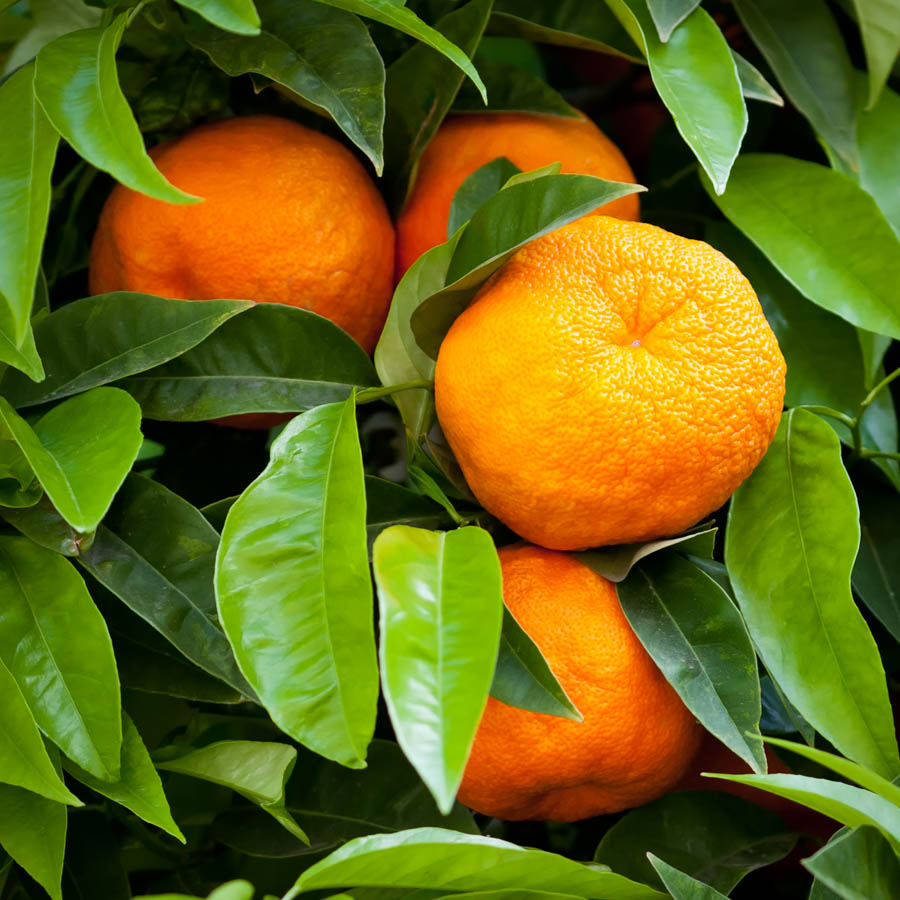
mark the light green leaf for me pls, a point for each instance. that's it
(77, 85)
(239, 16)
(682, 886)
(669, 14)
(293, 586)
(858, 865)
(878, 136)
(790, 543)
(753, 85)
(70, 684)
(879, 24)
(441, 602)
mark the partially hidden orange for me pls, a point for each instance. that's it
(611, 383)
(637, 738)
(465, 143)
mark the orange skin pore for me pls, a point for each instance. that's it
(467, 142)
(637, 738)
(611, 383)
(289, 216)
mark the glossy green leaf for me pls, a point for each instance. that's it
(239, 16)
(81, 450)
(844, 803)
(667, 15)
(710, 835)
(120, 334)
(587, 26)
(293, 586)
(395, 15)
(308, 361)
(753, 84)
(858, 865)
(27, 152)
(696, 78)
(47, 528)
(25, 357)
(878, 138)
(322, 54)
(879, 24)
(802, 43)
(257, 770)
(822, 232)
(388, 503)
(694, 633)
(790, 543)
(682, 886)
(420, 88)
(439, 859)
(19, 488)
(138, 787)
(33, 833)
(522, 677)
(477, 189)
(156, 553)
(71, 685)
(77, 85)
(441, 604)
(508, 220)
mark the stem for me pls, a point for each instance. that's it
(370, 395)
(870, 397)
(675, 177)
(136, 12)
(877, 454)
(830, 413)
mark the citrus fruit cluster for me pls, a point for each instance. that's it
(611, 383)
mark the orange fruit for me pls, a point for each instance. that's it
(289, 216)
(637, 737)
(611, 383)
(465, 143)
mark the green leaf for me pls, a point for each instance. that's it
(879, 24)
(47, 528)
(803, 45)
(587, 26)
(420, 88)
(858, 865)
(694, 633)
(508, 220)
(477, 189)
(33, 833)
(823, 232)
(27, 153)
(710, 835)
(441, 602)
(682, 886)
(324, 55)
(439, 859)
(156, 553)
(394, 15)
(81, 450)
(753, 85)
(779, 716)
(239, 16)
(293, 586)
(389, 504)
(790, 543)
(523, 678)
(696, 78)
(878, 137)
(120, 334)
(77, 85)
(138, 787)
(308, 361)
(50, 19)
(257, 770)
(71, 685)
(667, 15)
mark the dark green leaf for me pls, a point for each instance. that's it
(389, 504)
(879, 23)
(138, 787)
(779, 716)
(239, 16)
(711, 835)
(696, 78)
(81, 450)
(682, 886)
(802, 43)
(293, 586)
(257, 770)
(77, 85)
(50, 19)
(858, 865)
(324, 55)
(94, 865)
(753, 85)
(522, 677)
(437, 859)
(694, 633)
(878, 136)
(822, 232)
(308, 361)
(71, 685)
(46, 527)
(790, 543)
(156, 553)
(669, 14)
(477, 189)
(441, 602)
(119, 335)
